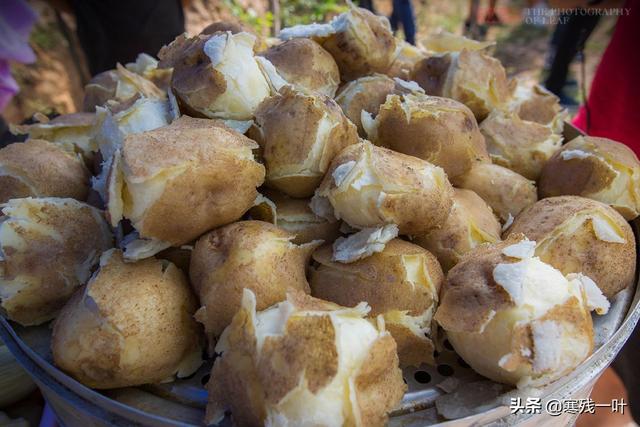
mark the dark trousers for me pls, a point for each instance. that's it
(571, 32)
(112, 31)
(403, 14)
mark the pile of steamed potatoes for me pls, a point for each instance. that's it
(314, 211)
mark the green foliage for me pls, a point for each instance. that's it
(261, 24)
(295, 12)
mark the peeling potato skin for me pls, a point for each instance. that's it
(287, 150)
(366, 93)
(452, 241)
(49, 267)
(223, 26)
(303, 62)
(100, 89)
(246, 254)
(441, 131)
(505, 191)
(105, 334)
(414, 212)
(610, 265)
(588, 176)
(431, 74)
(372, 51)
(50, 170)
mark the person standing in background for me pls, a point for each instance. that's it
(402, 13)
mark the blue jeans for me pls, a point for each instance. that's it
(403, 14)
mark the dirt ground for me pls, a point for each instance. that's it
(56, 80)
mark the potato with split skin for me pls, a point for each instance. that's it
(360, 42)
(40, 168)
(516, 319)
(469, 76)
(401, 283)
(304, 362)
(405, 58)
(369, 186)
(246, 254)
(367, 94)
(537, 104)
(520, 145)
(159, 176)
(295, 217)
(216, 75)
(597, 168)
(439, 130)
(505, 191)
(444, 42)
(305, 64)
(132, 324)
(300, 133)
(579, 235)
(471, 223)
(48, 247)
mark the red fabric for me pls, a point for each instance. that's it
(614, 99)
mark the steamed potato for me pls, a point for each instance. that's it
(401, 283)
(304, 63)
(304, 362)
(247, 254)
(578, 235)
(537, 104)
(444, 41)
(439, 130)
(360, 42)
(72, 131)
(299, 135)
(367, 94)
(405, 59)
(470, 223)
(370, 186)
(506, 192)
(132, 324)
(48, 247)
(158, 177)
(597, 168)
(41, 169)
(216, 75)
(471, 77)
(516, 319)
(223, 26)
(295, 217)
(520, 145)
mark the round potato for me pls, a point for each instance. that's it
(223, 26)
(405, 59)
(132, 324)
(297, 155)
(401, 283)
(360, 42)
(247, 254)
(304, 63)
(368, 94)
(310, 362)
(41, 169)
(597, 168)
(159, 176)
(469, 76)
(520, 145)
(295, 217)
(216, 75)
(506, 192)
(369, 186)
(516, 319)
(537, 104)
(444, 41)
(578, 235)
(439, 130)
(470, 224)
(48, 247)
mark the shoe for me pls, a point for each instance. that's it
(491, 18)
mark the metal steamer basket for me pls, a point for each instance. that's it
(450, 388)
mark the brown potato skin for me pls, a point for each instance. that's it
(100, 89)
(611, 265)
(305, 63)
(50, 169)
(588, 176)
(148, 303)
(287, 148)
(441, 131)
(246, 254)
(505, 191)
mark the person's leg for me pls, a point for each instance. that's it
(408, 21)
(576, 29)
(367, 4)
(491, 17)
(395, 11)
